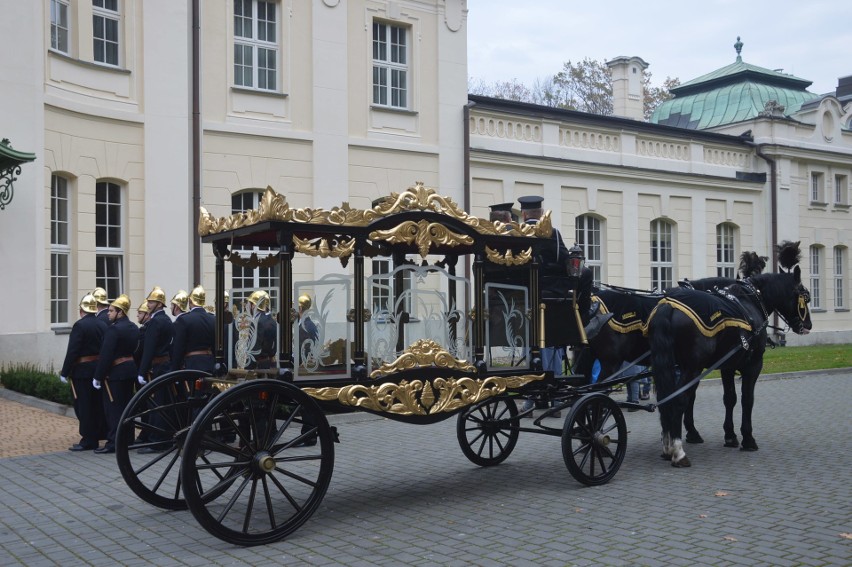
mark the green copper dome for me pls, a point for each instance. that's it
(736, 92)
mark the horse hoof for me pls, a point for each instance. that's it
(732, 443)
(694, 438)
(682, 464)
(749, 446)
(665, 457)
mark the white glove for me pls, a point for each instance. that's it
(141, 380)
(63, 379)
(96, 384)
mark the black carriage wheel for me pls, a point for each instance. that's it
(273, 449)
(594, 439)
(157, 418)
(488, 431)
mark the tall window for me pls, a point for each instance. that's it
(59, 25)
(725, 267)
(588, 236)
(816, 271)
(390, 65)
(381, 292)
(255, 44)
(839, 282)
(105, 20)
(840, 190)
(816, 187)
(109, 259)
(60, 250)
(662, 255)
(246, 280)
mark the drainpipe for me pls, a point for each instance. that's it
(196, 141)
(773, 188)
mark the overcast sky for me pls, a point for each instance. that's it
(532, 39)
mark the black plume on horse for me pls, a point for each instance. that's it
(692, 330)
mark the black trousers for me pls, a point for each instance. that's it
(122, 392)
(89, 409)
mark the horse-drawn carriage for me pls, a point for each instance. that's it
(423, 313)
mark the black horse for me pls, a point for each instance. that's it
(692, 330)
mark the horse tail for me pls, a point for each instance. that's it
(661, 338)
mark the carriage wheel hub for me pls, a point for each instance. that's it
(265, 463)
(601, 439)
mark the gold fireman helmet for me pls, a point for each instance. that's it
(89, 304)
(227, 296)
(100, 296)
(259, 299)
(144, 307)
(304, 302)
(197, 296)
(180, 299)
(121, 302)
(157, 294)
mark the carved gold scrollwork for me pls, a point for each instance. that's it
(424, 352)
(253, 261)
(418, 397)
(320, 247)
(423, 233)
(508, 259)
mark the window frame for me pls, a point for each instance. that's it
(109, 238)
(383, 93)
(256, 46)
(815, 255)
(60, 251)
(662, 270)
(589, 239)
(55, 24)
(100, 11)
(841, 189)
(726, 265)
(817, 187)
(267, 279)
(840, 278)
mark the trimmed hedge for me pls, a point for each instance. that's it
(31, 381)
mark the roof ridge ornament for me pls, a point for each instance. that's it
(739, 47)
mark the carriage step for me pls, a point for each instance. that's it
(573, 380)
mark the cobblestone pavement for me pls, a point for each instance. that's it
(29, 430)
(405, 495)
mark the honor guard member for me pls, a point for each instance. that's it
(179, 303)
(100, 295)
(307, 329)
(116, 370)
(195, 336)
(142, 317)
(159, 332)
(84, 344)
(154, 361)
(266, 328)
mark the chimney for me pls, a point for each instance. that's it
(844, 87)
(628, 93)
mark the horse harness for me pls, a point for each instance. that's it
(756, 328)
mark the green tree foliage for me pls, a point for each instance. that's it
(585, 86)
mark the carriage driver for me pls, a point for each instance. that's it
(116, 369)
(195, 336)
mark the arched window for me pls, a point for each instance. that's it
(246, 280)
(109, 259)
(816, 276)
(662, 254)
(60, 250)
(840, 277)
(589, 237)
(725, 263)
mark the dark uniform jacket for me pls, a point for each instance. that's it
(195, 332)
(267, 331)
(85, 340)
(103, 317)
(157, 343)
(553, 260)
(120, 340)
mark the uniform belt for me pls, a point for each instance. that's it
(160, 359)
(121, 360)
(89, 358)
(199, 352)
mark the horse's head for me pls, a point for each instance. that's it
(791, 301)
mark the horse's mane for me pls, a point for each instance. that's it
(788, 254)
(751, 264)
